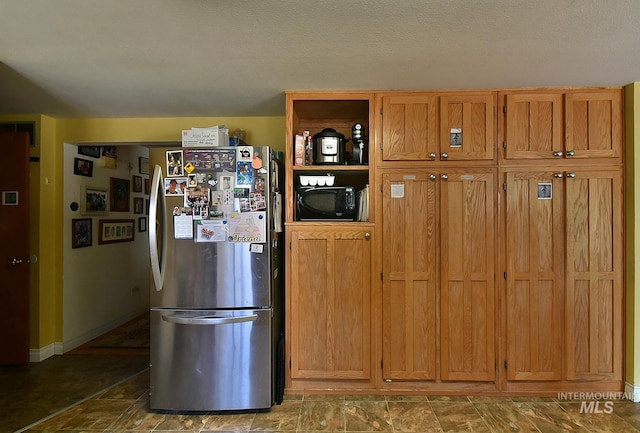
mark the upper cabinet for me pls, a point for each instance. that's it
(426, 126)
(562, 125)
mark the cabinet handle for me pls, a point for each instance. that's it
(367, 235)
(432, 176)
(571, 175)
(444, 155)
(571, 153)
(432, 155)
(557, 154)
(444, 176)
(558, 175)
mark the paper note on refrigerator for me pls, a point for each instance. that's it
(211, 231)
(248, 227)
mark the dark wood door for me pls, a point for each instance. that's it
(14, 249)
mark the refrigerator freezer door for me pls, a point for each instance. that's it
(204, 360)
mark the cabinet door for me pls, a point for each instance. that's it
(467, 127)
(330, 333)
(467, 276)
(534, 286)
(594, 275)
(533, 126)
(409, 128)
(409, 308)
(593, 124)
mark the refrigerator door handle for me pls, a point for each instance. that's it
(208, 319)
(157, 200)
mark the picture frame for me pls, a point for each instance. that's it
(142, 224)
(82, 167)
(10, 198)
(81, 232)
(119, 194)
(116, 230)
(138, 205)
(175, 159)
(92, 151)
(137, 183)
(93, 200)
(147, 186)
(143, 165)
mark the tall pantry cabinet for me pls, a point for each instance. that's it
(492, 258)
(562, 172)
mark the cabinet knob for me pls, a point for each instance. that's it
(444, 155)
(558, 154)
(571, 153)
(444, 176)
(571, 175)
(367, 235)
(558, 175)
(433, 177)
(432, 155)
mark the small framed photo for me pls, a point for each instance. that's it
(112, 231)
(174, 163)
(82, 167)
(92, 151)
(143, 165)
(142, 224)
(81, 232)
(137, 183)
(545, 191)
(138, 205)
(120, 191)
(93, 200)
(10, 198)
(147, 186)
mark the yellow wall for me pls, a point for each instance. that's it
(632, 202)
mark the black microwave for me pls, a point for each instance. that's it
(325, 203)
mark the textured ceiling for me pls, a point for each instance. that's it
(156, 58)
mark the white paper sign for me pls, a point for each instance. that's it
(183, 226)
(397, 190)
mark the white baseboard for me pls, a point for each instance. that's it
(78, 341)
(632, 392)
(38, 355)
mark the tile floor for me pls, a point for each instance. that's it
(123, 407)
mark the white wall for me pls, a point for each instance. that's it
(104, 285)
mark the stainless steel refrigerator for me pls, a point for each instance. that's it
(217, 279)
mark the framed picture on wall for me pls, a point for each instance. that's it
(120, 195)
(81, 232)
(137, 183)
(82, 167)
(92, 151)
(143, 165)
(112, 231)
(138, 205)
(93, 200)
(142, 224)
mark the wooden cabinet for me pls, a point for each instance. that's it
(329, 293)
(438, 234)
(564, 275)
(421, 127)
(410, 127)
(555, 125)
(328, 264)
(593, 124)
